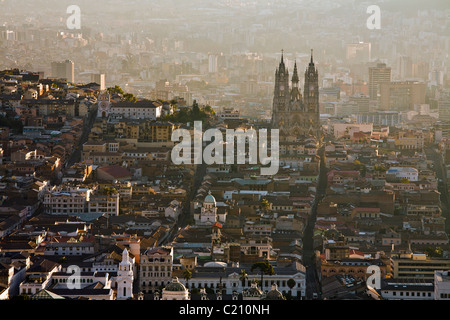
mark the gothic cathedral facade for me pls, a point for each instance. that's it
(295, 115)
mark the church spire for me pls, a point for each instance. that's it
(282, 68)
(311, 66)
(295, 74)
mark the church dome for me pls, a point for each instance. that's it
(210, 199)
(215, 264)
(275, 294)
(175, 285)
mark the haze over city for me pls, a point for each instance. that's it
(346, 102)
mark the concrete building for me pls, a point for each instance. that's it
(64, 70)
(441, 285)
(377, 75)
(417, 266)
(394, 289)
(401, 95)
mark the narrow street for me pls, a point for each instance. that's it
(76, 154)
(439, 168)
(312, 278)
(185, 216)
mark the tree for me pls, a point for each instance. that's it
(115, 90)
(195, 108)
(291, 284)
(265, 204)
(434, 252)
(243, 275)
(129, 97)
(62, 260)
(187, 275)
(265, 268)
(209, 110)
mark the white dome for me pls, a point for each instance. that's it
(215, 264)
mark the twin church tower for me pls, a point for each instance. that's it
(295, 115)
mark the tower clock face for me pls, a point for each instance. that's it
(281, 87)
(311, 87)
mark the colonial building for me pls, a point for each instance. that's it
(155, 269)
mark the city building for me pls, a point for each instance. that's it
(64, 70)
(156, 265)
(441, 285)
(407, 289)
(401, 95)
(378, 75)
(141, 109)
(417, 266)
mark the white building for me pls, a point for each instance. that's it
(173, 210)
(125, 277)
(77, 201)
(407, 290)
(412, 174)
(441, 285)
(149, 110)
(212, 275)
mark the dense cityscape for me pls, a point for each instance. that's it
(337, 191)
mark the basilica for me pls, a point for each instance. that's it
(295, 115)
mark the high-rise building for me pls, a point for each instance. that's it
(377, 75)
(212, 63)
(401, 95)
(64, 70)
(444, 108)
(293, 114)
(404, 67)
(99, 78)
